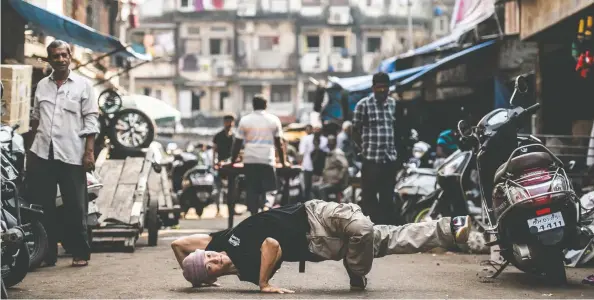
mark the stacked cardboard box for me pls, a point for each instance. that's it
(17, 95)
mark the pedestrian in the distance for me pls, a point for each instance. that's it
(261, 132)
(374, 123)
(335, 176)
(306, 149)
(64, 124)
(222, 143)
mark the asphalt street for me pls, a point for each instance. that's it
(152, 272)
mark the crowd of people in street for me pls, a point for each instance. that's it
(64, 141)
(315, 230)
(371, 146)
(367, 147)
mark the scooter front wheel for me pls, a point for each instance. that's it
(37, 243)
(16, 272)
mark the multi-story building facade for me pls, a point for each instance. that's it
(228, 51)
(353, 37)
(266, 60)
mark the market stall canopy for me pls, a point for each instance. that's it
(72, 31)
(156, 109)
(466, 16)
(443, 63)
(363, 83)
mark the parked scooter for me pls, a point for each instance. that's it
(456, 194)
(13, 157)
(15, 252)
(531, 207)
(181, 163)
(198, 188)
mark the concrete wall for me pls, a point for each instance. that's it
(391, 44)
(195, 39)
(253, 55)
(161, 90)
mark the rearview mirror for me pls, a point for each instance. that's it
(464, 129)
(521, 84)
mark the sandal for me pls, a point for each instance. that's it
(80, 262)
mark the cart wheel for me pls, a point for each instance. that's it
(152, 222)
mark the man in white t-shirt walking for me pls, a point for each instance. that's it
(261, 132)
(306, 146)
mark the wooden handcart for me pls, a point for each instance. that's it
(135, 195)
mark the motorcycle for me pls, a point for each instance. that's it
(93, 214)
(179, 164)
(15, 258)
(13, 158)
(198, 188)
(127, 130)
(531, 208)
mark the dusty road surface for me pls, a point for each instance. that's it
(152, 272)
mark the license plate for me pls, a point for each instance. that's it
(294, 192)
(546, 222)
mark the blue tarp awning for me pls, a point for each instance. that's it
(72, 31)
(441, 64)
(362, 83)
(389, 64)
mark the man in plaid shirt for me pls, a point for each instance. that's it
(374, 123)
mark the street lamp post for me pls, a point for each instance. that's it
(410, 29)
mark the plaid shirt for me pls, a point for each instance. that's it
(375, 123)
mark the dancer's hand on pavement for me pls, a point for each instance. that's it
(273, 289)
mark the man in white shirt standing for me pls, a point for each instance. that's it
(261, 132)
(65, 121)
(306, 146)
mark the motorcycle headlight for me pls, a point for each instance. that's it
(418, 154)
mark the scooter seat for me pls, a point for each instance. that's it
(523, 162)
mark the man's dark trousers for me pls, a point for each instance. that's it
(43, 176)
(259, 179)
(307, 185)
(379, 178)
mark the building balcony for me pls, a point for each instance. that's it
(267, 60)
(319, 63)
(194, 68)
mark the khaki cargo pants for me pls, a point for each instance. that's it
(341, 231)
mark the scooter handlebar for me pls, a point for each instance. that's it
(532, 109)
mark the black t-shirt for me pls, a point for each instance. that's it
(224, 143)
(288, 225)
